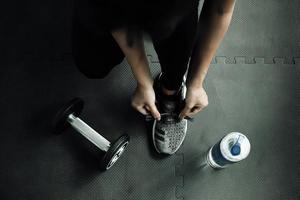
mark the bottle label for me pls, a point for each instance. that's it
(218, 157)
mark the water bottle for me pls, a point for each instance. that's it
(232, 148)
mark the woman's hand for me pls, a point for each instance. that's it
(196, 100)
(143, 100)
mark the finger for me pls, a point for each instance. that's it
(147, 108)
(142, 110)
(184, 112)
(195, 110)
(155, 113)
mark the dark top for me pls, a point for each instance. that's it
(156, 17)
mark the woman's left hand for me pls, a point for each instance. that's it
(196, 100)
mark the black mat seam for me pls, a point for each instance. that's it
(179, 187)
(298, 135)
(219, 59)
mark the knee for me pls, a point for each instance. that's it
(94, 75)
(93, 70)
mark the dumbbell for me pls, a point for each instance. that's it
(68, 116)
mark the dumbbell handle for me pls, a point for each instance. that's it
(88, 132)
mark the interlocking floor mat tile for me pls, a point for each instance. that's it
(261, 101)
(35, 164)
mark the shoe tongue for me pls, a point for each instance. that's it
(170, 118)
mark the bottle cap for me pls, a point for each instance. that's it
(238, 153)
(235, 149)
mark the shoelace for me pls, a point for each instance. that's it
(173, 117)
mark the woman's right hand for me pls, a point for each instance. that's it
(143, 100)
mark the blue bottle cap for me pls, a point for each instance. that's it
(235, 149)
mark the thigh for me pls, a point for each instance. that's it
(94, 50)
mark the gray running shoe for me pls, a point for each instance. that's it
(168, 134)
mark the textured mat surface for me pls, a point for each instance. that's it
(261, 101)
(264, 29)
(36, 164)
(252, 88)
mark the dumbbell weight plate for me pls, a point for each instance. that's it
(74, 107)
(114, 152)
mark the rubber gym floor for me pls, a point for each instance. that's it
(253, 86)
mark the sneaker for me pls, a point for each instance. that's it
(168, 134)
